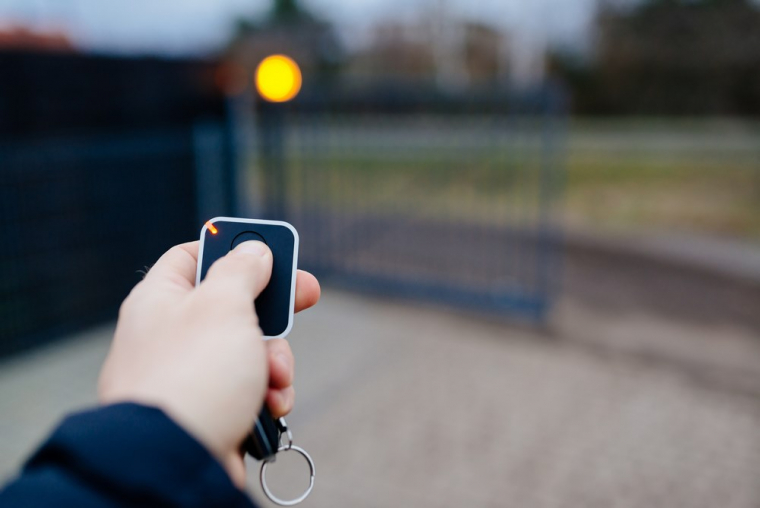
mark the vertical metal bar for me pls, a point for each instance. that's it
(208, 155)
(550, 171)
(271, 134)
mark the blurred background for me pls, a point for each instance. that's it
(537, 226)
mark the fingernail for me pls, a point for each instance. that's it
(252, 247)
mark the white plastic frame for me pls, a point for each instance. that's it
(291, 310)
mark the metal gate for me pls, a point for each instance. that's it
(81, 217)
(451, 200)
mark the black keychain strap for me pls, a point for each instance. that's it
(264, 440)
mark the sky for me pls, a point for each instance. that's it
(191, 27)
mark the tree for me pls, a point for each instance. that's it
(672, 57)
(288, 11)
(291, 29)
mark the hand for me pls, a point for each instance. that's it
(198, 353)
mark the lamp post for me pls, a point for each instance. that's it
(278, 80)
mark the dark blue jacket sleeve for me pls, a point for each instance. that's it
(123, 455)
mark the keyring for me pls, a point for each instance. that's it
(263, 478)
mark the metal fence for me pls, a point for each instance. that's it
(80, 218)
(97, 178)
(446, 201)
(439, 203)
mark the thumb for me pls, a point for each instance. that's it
(245, 271)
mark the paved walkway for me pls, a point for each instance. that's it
(412, 405)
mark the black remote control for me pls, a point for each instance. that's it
(274, 306)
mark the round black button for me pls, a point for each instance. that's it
(246, 236)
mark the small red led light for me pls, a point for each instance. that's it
(211, 228)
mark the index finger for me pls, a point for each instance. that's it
(307, 291)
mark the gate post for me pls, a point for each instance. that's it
(271, 132)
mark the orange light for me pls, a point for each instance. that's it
(211, 227)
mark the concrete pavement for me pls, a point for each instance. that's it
(403, 404)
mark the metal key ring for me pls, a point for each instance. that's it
(262, 476)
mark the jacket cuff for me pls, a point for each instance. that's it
(138, 453)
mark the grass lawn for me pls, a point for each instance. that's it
(699, 176)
